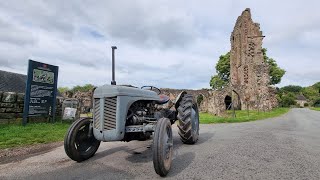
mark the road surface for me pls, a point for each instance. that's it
(287, 147)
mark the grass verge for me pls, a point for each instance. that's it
(15, 135)
(315, 108)
(241, 116)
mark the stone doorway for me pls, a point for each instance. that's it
(228, 101)
(236, 100)
(200, 98)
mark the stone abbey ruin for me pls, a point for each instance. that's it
(249, 73)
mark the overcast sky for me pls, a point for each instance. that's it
(170, 43)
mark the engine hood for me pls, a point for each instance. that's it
(114, 90)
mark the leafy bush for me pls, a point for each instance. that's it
(287, 100)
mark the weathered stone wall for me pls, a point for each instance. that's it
(11, 107)
(248, 70)
(84, 98)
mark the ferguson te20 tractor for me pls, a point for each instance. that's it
(122, 113)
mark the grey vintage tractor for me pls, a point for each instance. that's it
(122, 113)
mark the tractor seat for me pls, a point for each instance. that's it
(163, 99)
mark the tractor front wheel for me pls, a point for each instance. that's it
(162, 147)
(79, 142)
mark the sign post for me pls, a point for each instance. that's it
(41, 91)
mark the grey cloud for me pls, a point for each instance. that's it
(13, 34)
(51, 16)
(142, 23)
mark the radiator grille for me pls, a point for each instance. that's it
(109, 113)
(96, 115)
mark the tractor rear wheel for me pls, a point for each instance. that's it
(79, 142)
(188, 116)
(162, 147)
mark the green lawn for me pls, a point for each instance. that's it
(14, 135)
(315, 108)
(241, 116)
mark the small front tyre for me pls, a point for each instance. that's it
(79, 142)
(162, 147)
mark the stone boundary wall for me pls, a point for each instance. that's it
(11, 107)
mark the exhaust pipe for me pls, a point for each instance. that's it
(113, 82)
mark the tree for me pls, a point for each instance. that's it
(85, 88)
(286, 100)
(217, 83)
(291, 88)
(223, 71)
(63, 89)
(275, 72)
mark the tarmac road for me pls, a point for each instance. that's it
(287, 147)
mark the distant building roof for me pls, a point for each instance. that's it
(12, 82)
(301, 98)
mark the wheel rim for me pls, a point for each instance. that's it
(195, 120)
(168, 143)
(83, 143)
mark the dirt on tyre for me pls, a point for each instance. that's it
(188, 116)
(162, 147)
(79, 142)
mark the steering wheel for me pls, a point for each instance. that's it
(152, 88)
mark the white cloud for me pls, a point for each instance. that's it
(165, 43)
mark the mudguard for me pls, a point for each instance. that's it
(178, 99)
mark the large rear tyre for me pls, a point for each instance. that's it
(79, 142)
(162, 147)
(188, 116)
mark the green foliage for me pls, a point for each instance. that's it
(217, 83)
(199, 99)
(85, 88)
(287, 100)
(241, 116)
(223, 67)
(223, 71)
(316, 86)
(275, 72)
(287, 94)
(291, 88)
(311, 93)
(316, 103)
(315, 108)
(63, 89)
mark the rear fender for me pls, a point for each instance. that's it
(178, 99)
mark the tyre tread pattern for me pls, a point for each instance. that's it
(187, 136)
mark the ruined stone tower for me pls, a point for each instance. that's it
(249, 73)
